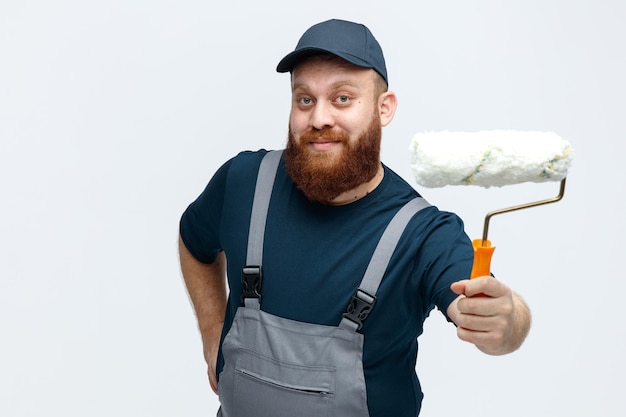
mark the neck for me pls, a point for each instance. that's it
(361, 191)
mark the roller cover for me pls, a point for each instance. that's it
(489, 158)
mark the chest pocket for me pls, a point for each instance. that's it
(277, 367)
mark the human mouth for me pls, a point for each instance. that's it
(324, 144)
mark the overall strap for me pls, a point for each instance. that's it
(252, 274)
(363, 300)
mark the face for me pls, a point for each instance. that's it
(337, 113)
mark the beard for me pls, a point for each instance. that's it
(323, 176)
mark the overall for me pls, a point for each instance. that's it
(277, 367)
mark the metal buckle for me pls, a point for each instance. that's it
(360, 307)
(251, 282)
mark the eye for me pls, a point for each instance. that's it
(306, 101)
(343, 99)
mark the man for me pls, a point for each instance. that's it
(298, 333)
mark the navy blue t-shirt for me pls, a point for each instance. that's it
(314, 258)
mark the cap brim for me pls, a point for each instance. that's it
(289, 62)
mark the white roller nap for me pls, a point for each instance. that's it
(489, 158)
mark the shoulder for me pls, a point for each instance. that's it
(232, 176)
(430, 229)
(242, 167)
(246, 161)
(428, 218)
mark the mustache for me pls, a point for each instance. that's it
(326, 133)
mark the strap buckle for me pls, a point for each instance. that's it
(251, 282)
(359, 307)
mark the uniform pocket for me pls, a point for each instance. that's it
(266, 387)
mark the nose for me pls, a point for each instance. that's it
(322, 116)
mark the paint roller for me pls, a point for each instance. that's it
(490, 159)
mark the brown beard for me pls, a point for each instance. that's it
(322, 176)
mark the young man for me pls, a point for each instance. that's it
(307, 328)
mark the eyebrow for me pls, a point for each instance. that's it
(335, 86)
(340, 84)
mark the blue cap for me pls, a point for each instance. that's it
(350, 41)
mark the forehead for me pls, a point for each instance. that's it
(331, 70)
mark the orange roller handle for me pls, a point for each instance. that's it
(483, 252)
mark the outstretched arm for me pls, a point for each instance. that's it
(489, 315)
(206, 285)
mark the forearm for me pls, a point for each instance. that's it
(206, 286)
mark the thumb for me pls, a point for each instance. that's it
(459, 287)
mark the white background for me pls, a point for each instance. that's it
(114, 115)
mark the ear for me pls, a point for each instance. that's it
(387, 104)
